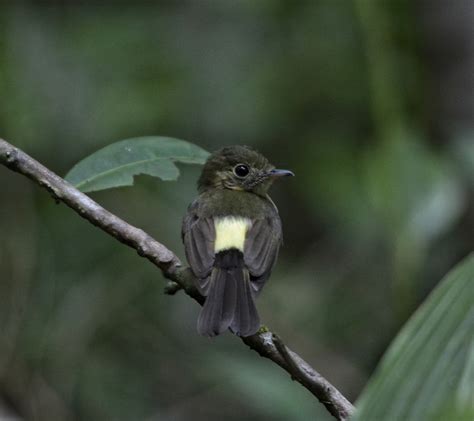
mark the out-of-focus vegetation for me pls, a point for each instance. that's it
(428, 371)
(370, 104)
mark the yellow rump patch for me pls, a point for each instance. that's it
(230, 232)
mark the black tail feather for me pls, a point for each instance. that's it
(229, 302)
(246, 320)
(219, 308)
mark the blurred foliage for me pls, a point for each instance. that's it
(364, 101)
(428, 371)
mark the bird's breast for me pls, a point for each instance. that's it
(230, 232)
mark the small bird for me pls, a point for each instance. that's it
(231, 235)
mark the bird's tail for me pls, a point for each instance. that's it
(229, 298)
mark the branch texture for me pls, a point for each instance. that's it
(264, 342)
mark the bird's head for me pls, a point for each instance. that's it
(239, 168)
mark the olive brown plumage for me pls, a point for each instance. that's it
(232, 233)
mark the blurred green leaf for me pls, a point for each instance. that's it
(268, 390)
(427, 372)
(117, 164)
(463, 149)
(413, 190)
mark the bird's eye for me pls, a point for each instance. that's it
(241, 170)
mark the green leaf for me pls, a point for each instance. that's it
(428, 373)
(415, 192)
(117, 164)
(463, 149)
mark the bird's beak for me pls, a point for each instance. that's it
(281, 173)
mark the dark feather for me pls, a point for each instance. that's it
(246, 320)
(219, 307)
(230, 280)
(230, 302)
(261, 249)
(198, 237)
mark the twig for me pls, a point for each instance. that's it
(299, 370)
(263, 342)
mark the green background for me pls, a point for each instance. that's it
(370, 104)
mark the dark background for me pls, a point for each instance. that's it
(370, 103)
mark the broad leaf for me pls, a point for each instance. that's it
(428, 371)
(117, 164)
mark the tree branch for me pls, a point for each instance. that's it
(264, 342)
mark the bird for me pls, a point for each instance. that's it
(232, 233)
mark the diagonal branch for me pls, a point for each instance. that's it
(264, 342)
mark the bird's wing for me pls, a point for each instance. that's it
(198, 235)
(262, 242)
